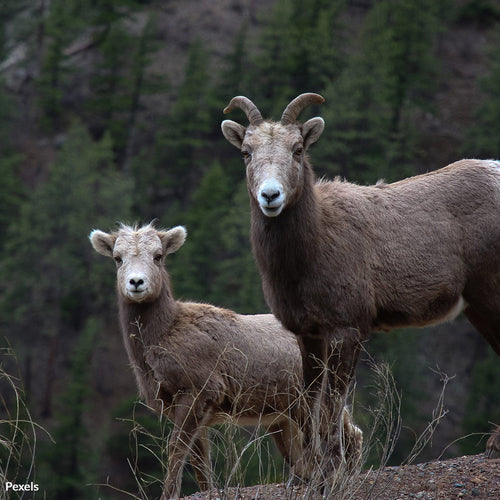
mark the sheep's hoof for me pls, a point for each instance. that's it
(493, 444)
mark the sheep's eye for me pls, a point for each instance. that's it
(118, 260)
(246, 154)
(158, 257)
(298, 151)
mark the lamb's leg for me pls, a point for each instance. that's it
(188, 417)
(200, 460)
(287, 437)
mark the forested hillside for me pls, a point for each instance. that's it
(110, 111)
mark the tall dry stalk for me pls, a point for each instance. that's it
(18, 432)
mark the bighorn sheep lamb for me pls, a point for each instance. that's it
(339, 260)
(198, 364)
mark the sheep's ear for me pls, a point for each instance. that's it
(311, 130)
(173, 239)
(102, 242)
(233, 132)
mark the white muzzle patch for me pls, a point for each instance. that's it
(136, 287)
(271, 198)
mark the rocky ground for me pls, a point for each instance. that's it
(469, 477)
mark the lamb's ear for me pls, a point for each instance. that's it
(233, 132)
(173, 239)
(102, 242)
(311, 130)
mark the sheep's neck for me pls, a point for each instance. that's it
(285, 244)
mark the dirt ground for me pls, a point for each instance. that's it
(468, 477)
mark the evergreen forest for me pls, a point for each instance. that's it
(110, 112)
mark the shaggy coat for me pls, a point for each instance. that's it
(199, 364)
(338, 260)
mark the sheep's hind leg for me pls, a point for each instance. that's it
(487, 321)
(493, 444)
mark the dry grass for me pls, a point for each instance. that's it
(239, 453)
(18, 431)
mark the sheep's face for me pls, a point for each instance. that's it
(139, 255)
(274, 156)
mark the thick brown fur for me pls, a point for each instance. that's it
(338, 260)
(201, 365)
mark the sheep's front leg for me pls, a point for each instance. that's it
(344, 438)
(314, 353)
(189, 417)
(329, 363)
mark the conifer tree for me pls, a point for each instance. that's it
(196, 265)
(119, 82)
(68, 461)
(178, 158)
(299, 52)
(52, 281)
(482, 140)
(61, 25)
(11, 189)
(371, 109)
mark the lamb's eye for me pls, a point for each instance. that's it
(246, 154)
(118, 260)
(298, 151)
(158, 257)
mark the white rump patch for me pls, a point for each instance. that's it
(455, 310)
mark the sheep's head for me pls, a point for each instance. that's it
(274, 153)
(139, 255)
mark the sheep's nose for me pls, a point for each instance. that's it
(136, 282)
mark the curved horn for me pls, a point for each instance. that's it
(297, 105)
(250, 109)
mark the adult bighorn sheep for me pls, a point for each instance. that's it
(199, 364)
(339, 260)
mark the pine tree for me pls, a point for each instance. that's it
(299, 52)
(61, 25)
(11, 189)
(52, 283)
(178, 159)
(196, 265)
(119, 82)
(238, 284)
(483, 140)
(68, 460)
(373, 106)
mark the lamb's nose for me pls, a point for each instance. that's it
(270, 193)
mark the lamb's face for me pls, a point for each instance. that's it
(139, 255)
(139, 260)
